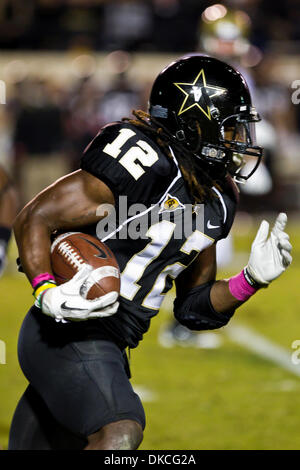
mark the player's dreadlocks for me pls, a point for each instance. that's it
(201, 186)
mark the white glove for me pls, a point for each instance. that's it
(65, 301)
(270, 255)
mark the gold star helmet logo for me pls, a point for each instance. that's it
(194, 94)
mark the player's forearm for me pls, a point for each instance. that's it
(32, 235)
(221, 298)
(67, 205)
(211, 305)
(63, 206)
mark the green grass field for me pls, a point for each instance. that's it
(223, 398)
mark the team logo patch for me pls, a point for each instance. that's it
(193, 94)
(170, 204)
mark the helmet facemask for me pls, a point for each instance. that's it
(234, 148)
(237, 134)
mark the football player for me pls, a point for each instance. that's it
(180, 158)
(8, 212)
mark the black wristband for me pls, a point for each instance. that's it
(250, 279)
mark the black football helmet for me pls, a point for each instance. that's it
(205, 105)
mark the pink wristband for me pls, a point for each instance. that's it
(40, 278)
(240, 288)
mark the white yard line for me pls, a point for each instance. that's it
(145, 394)
(263, 347)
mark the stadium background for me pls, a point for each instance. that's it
(69, 66)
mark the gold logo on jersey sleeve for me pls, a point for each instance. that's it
(170, 204)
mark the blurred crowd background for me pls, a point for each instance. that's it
(67, 67)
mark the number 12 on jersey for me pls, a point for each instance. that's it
(138, 156)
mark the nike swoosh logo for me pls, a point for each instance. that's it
(65, 307)
(102, 253)
(210, 226)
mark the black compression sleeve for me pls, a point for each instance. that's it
(196, 312)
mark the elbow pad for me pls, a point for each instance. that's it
(196, 312)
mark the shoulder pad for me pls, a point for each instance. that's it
(129, 162)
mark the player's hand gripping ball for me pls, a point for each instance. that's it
(71, 251)
(87, 276)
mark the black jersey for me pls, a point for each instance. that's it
(155, 231)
